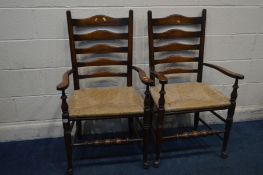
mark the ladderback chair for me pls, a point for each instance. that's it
(187, 35)
(96, 103)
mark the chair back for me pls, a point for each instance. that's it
(100, 34)
(178, 40)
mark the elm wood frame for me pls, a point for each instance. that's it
(173, 34)
(68, 123)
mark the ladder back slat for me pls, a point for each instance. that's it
(173, 59)
(175, 33)
(176, 47)
(101, 49)
(101, 62)
(101, 35)
(102, 74)
(177, 71)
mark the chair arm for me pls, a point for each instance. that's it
(65, 81)
(144, 79)
(225, 71)
(162, 78)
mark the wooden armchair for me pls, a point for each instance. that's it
(192, 97)
(102, 103)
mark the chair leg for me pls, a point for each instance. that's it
(159, 127)
(158, 134)
(146, 126)
(228, 126)
(196, 120)
(68, 144)
(67, 132)
(78, 129)
(229, 119)
(146, 130)
(130, 123)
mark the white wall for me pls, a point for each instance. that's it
(34, 53)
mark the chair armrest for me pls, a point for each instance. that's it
(65, 81)
(225, 71)
(162, 78)
(144, 79)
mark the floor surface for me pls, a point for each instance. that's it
(183, 157)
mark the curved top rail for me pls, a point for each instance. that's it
(176, 20)
(100, 20)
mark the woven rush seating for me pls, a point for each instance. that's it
(114, 101)
(187, 96)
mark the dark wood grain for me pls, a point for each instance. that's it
(169, 34)
(72, 51)
(65, 81)
(202, 47)
(100, 20)
(178, 70)
(192, 36)
(176, 47)
(176, 20)
(147, 118)
(142, 75)
(174, 59)
(159, 125)
(225, 71)
(100, 35)
(193, 134)
(130, 49)
(102, 74)
(101, 62)
(150, 44)
(162, 78)
(116, 141)
(175, 33)
(101, 49)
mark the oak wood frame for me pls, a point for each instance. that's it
(183, 20)
(68, 123)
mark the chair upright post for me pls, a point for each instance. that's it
(146, 126)
(159, 126)
(67, 132)
(196, 120)
(79, 129)
(229, 119)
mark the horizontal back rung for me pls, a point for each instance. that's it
(100, 20)
(102, 74)
(175, 33)
(176, 47)
(177, 71)
(174, 59)
(101, 62)
(176, 20)
(101, 35)
(101, 49)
